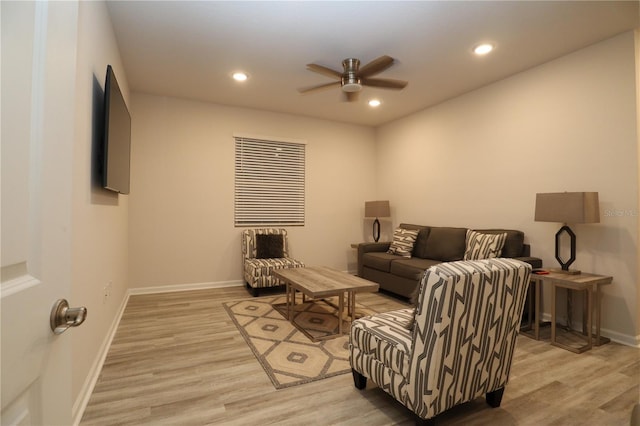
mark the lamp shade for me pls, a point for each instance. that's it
(377, 209)
(568, 207)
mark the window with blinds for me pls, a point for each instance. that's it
(269, 185)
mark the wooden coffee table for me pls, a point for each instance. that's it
(318, 282)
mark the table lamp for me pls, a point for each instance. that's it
(567, 207)
(376, 209)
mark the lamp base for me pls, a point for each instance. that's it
(565, 271)
(376, 230)
(565, 264)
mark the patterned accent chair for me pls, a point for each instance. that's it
(455, 346)
(257, 267)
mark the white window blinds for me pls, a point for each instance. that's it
(269, 186)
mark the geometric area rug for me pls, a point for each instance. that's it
(288, 356)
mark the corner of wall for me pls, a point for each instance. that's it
(637, 54)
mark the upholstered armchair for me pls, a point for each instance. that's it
(455, 346)
(263, 250)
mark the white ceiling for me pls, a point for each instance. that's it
(189, 49)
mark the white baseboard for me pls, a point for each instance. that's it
(623, 339)
(84, 395)
(185, 287)
(94, 373)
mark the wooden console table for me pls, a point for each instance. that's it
(588, 283)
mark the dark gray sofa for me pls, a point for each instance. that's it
(434, 244)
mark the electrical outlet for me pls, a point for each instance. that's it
(106, 291)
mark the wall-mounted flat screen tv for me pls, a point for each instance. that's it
(117, 137)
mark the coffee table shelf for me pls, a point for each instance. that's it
(319, 282)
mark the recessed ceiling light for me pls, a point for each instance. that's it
(240, 76)
(483, 49)
(374, 103)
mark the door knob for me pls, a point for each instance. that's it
(63, 317)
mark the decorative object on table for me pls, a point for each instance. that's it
(567, 207)
(265, 250)
(376, 209)
(432, 362)
(287, 356)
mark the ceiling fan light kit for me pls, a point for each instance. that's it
(353, 78)
(351, 86)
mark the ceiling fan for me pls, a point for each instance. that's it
(353, 78)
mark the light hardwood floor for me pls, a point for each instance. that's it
(177, 359)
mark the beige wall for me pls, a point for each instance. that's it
(568, 125)
(476, 161)
(99, 229)
(181, 203)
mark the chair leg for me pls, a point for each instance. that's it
(253, 290)
(359, 380)
(425, 422)
(495, 398)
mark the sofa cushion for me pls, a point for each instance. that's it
(483, 246)
(446, 244)
(514, 244)
(421, 241)
(403, 241)
(411, 268)
(380, 261)
(257, 268)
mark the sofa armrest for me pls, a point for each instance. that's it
(370, 247)
(380, 246)
(535, 262)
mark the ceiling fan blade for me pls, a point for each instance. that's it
(322, 86)
(375, 66)
(384, 83)
(324, 71)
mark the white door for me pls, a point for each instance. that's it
(37, 116)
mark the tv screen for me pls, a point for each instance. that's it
(117, 137)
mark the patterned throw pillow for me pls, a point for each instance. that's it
(483, 246)
(403, 241)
